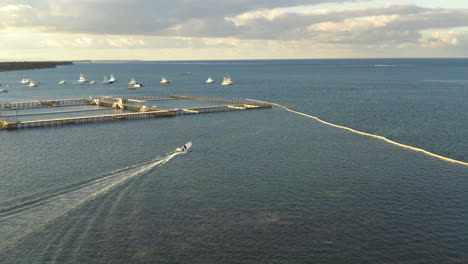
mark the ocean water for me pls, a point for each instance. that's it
(263, 186)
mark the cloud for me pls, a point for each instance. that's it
(440, 39)
(17, 15)
(142, 17)
(395, 23)
(135, 23)
(74, 42)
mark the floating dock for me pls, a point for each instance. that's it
(134, 106)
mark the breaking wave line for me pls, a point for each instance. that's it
(368, 134)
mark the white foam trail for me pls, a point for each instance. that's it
(18, 222)
(368, 135)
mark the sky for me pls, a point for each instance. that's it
(231, 29)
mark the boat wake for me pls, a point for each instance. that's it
(19, 220)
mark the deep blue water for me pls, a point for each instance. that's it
(263, 186)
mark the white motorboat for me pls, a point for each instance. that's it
(134, 86)
(210, 80)
(227, 81)
(25, 81)
(92, 82)
(82, 79)
(132, 81)
(33, 84)
(164, 80)
(185, 148)
(112, 78)
(62, 82)
(106, 81)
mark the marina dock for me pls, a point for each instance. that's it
(131, 108)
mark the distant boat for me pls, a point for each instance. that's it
(184, 73)
(105, 80)
(3, 90)
(132, 81)
(164, 80)
(25, 81)
(33, 84)
(112, 78)
(227, 81)
(92, 82)
(210, 80)
(62, 82)
(134, 86)
(185, 148)
(82, 79)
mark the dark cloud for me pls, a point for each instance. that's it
(142, 16)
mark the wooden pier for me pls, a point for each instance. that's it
(134, 107)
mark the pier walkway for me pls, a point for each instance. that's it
(134, 108)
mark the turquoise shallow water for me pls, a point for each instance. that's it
(262, 186)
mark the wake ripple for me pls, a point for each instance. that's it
(19, 220)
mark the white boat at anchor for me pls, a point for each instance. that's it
(210, 80)
(227, 81)
(82, 79)
(62, 82)
(112, 78)
(132, 81)
(164, 80)
(33, 84)
(134, 86)
(185, 148)
(92, 82)
(25, 81)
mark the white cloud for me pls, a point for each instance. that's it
(355, 24)
(247, 18)
(440, 39)
(230, 25)
(126, 42)
(14, 8)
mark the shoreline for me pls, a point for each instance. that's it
(31, 65)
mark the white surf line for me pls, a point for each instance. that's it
(368, 134)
